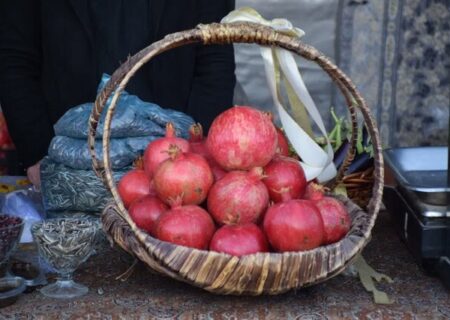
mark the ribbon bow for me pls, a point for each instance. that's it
(280, 64)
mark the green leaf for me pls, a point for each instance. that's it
(340, 189)
(359, 145)
(367, 275)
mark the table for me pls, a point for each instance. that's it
(146, 295)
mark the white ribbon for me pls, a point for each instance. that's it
(316, 162)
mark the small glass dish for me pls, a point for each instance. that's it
(32, 275)
(65, 243)
(10, 289)
(10, 231)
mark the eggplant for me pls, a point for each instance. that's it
(361, 162)
(340, 153)
(365, 136)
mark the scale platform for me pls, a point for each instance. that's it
(417, 196)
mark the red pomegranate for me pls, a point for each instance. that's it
(196, 140)
(238, 198)
(152, 191)
(184, 175)
(217, 170)
(198, 145)
(146, 211)
(138, 163)
(5, 139)
(295, 225)
(133, 185)
(335, 218)
(284, 178)
(239, 240)
(189, 226)
(283, 145)
(314, 191)
(242, 138)
(156, 151)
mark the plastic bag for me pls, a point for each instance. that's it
(128, 122)
(132, 118)
(64, 188)
(26, 204)
(74, 153)
(159, 115)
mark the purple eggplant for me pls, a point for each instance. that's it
(365, 136)
(361, 162)
(340, 153)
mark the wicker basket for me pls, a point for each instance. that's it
(262, 273)
(359, 186)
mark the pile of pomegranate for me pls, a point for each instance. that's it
(236, 191)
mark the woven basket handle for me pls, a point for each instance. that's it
(216, 33)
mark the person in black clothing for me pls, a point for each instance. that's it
(53, 53)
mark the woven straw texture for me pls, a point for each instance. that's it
(263, 273)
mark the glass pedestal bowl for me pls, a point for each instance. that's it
(65, 243)
(10, 232)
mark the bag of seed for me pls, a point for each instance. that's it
(64, 188)
(74, 153)
(132, 118)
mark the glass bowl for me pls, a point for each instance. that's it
(10, 289)
(10, 231)
(64, 244)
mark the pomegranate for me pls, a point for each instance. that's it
(189, 226)
(133, 185)
(146, 211)
(217, 171)
(156, 151)
(335, 218)
(295, 225)
(239, 240)
(152, 188)
(282, 145)
(284, 178)
(197, 145)
(184, 175)
(5, 139)
(314, 191)
(138, 163)
(196, 140)
(241, 138)
(238, 198)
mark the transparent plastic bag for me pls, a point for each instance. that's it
(26, 204)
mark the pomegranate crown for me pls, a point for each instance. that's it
(174, 151)
(176, 201)
(258, 173)
(170, 130)
(138, 163)
(196, 132)
(268, 114)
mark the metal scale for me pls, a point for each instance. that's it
(417, 195)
